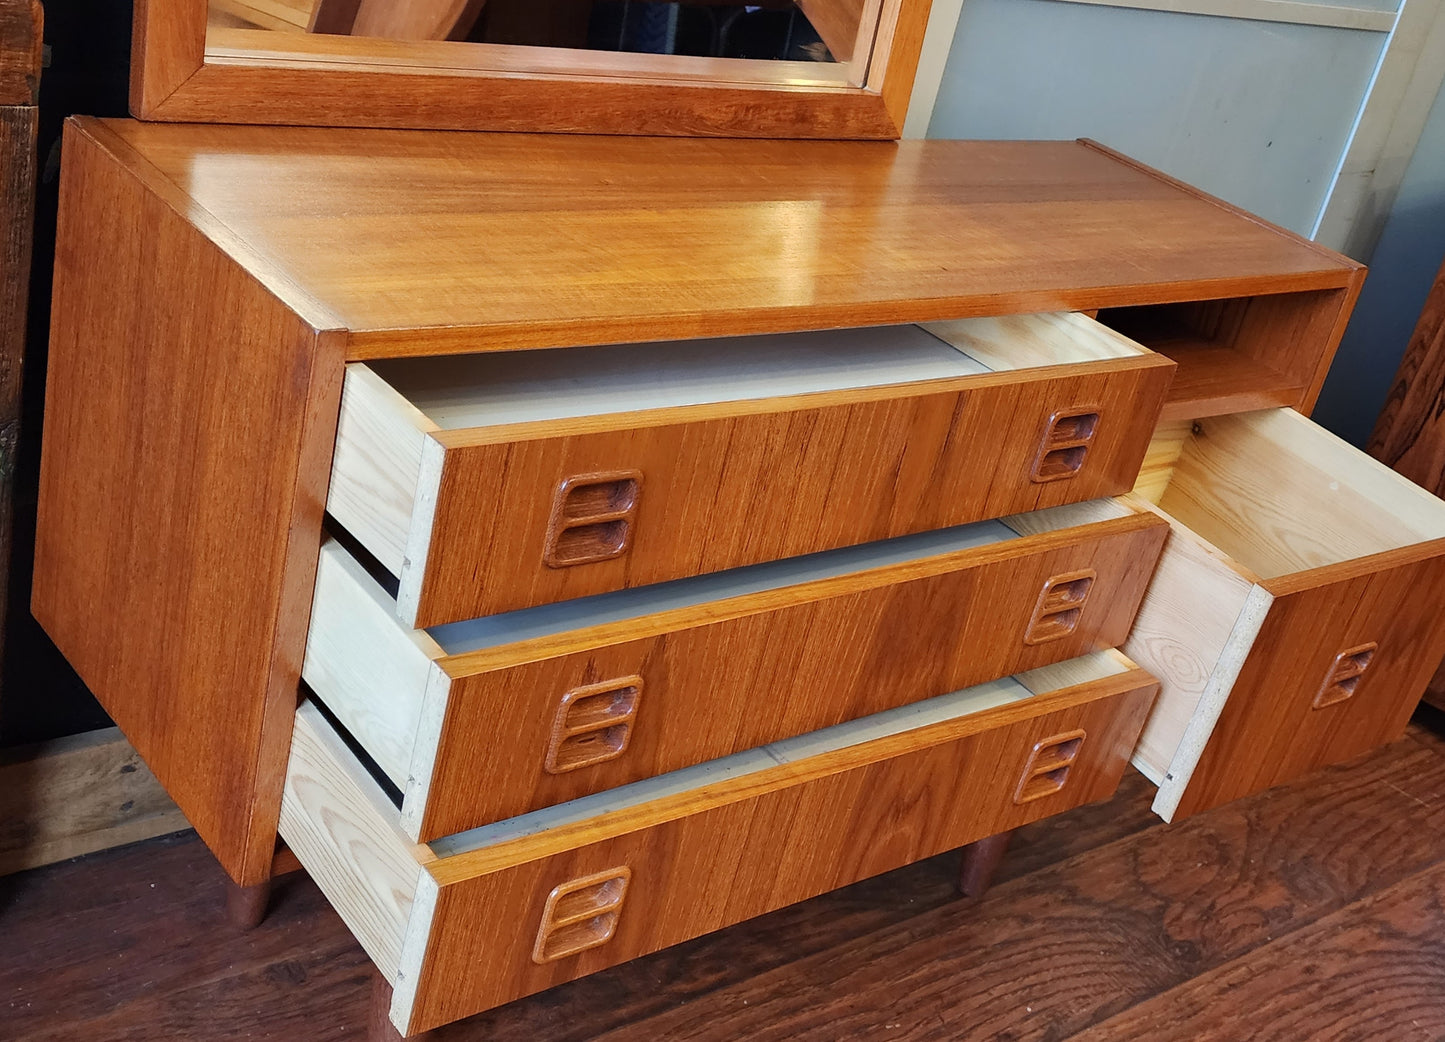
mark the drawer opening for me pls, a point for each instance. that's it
(373, 671)
(595, 684)
(955, 705)
(1237, 354)
(978, 699)
(492, 631)
(493, 482)
(479, 904)
(506, 387)
(1279, 495)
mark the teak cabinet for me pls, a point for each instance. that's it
(644, 568)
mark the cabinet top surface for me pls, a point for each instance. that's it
(431, 242)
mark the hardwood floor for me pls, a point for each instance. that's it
(1315, 911)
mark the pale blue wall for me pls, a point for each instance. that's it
(1258, 113)
(1401, 272)
(1255, 112)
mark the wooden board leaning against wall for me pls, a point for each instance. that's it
(20, 51)
(87, 792)
(1410, 433)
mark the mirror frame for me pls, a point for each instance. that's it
(174, 79)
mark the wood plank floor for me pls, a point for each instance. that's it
(1312, 912)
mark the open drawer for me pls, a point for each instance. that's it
(484, 720)
(1295, 616)
(479, 919)
(490, 483)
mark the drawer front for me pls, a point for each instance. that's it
(577, 723)
(1336, 671)
(510, 524)
(1296, 613)
(483, 934)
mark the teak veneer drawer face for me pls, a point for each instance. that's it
(1294, 618)
(490, 483)
(484, 720)
(485, 917)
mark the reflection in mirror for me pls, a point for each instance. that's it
(782, 30)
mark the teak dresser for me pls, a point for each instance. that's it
(655, 532)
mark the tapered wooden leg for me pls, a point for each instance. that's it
(980, 861)
(381, 1028)
(246, 905)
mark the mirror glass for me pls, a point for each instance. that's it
(790, 31)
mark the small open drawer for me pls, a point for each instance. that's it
(485, 917)
(484, 720)
(1296, 614)
(490, 483)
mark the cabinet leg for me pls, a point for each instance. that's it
(246, 905)
(980, 861)
(380, 1028)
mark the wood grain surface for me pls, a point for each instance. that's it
(176, 552)
(20, 51)
(21, 44)
(1192, 631)
(336, 820)
(1360, 973)
(1099, 912)
(188, 439)
(1288, 544)
(837, 22)
(1074, 943)
(737, 237)
(740, 858)
(1409, 435)
(770, 674)
(1269, 730)
(416, 19)
(1245, 353)
(736, 490)
(177, 77)
(75, 795)
(1282, 496)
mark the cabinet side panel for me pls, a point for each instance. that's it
(187, 438)
(1284, 719)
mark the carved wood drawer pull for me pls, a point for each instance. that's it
(593, 724)
(592, 518)
(1344, 675)
(1048, 766)
(1061, 603)
(1065, 443)
(581, 914)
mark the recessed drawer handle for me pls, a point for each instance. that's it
(1344, 675)
(592, 518)
(1060, 606)
(1048, 767)
(593, 724)
(1065, 443)
(581, 914)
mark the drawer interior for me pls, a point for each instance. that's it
(372, 671)
(481, 390)
(1277, 494)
